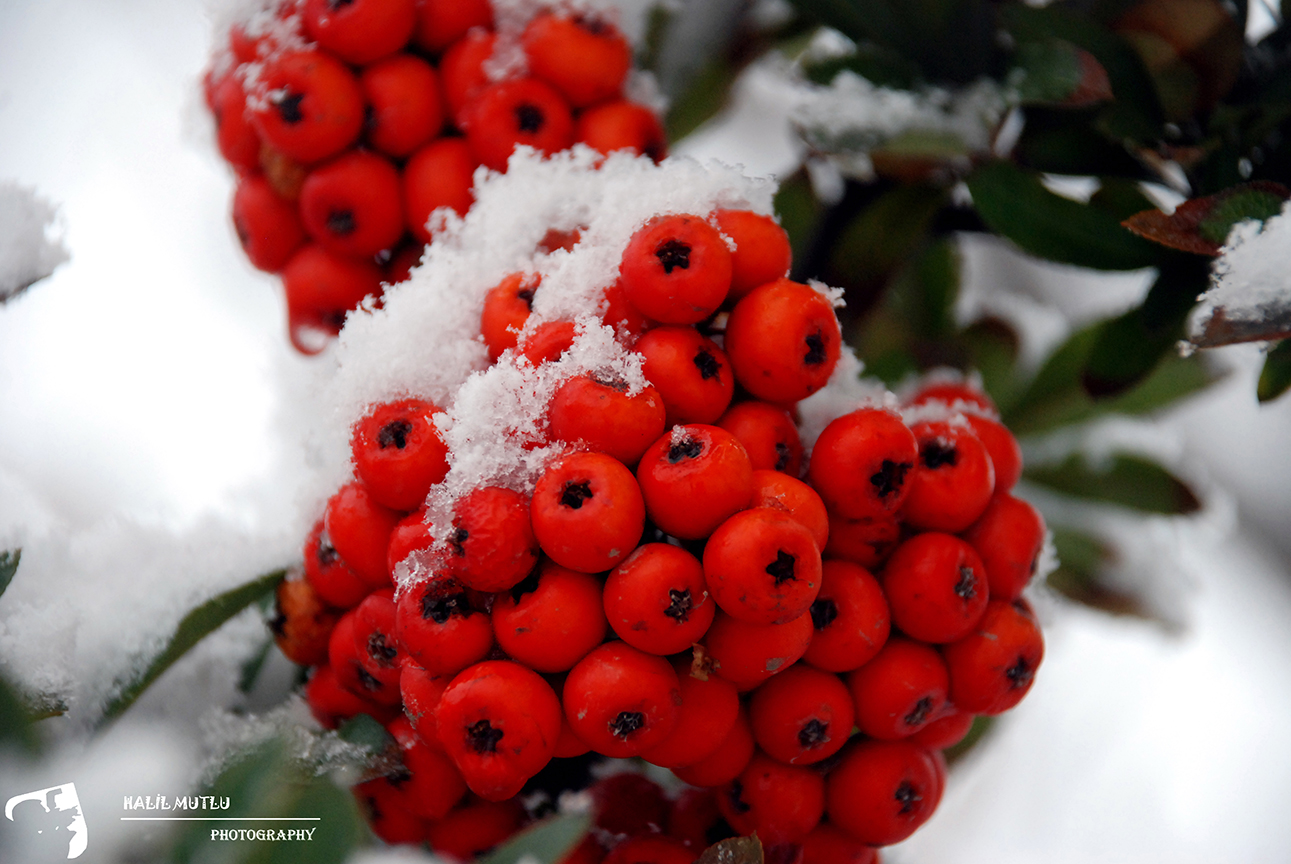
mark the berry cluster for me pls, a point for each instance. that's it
(350, 124)
(710, 554)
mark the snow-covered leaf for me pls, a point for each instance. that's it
(546, 842)
(1122, 479)
(192, 629)
(1275, 377)
(1015, 203)
(1201, 225)
(1250, 296)
(9, 559)
(1082, 559)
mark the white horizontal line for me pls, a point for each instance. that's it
(221, 818)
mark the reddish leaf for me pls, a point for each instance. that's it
(1200, 225)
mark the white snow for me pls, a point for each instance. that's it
(31, 245)
(1252, 276)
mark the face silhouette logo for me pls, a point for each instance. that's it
(48, 823)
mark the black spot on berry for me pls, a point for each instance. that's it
(381, 653)
(781, 569)
(457, 541)
(529, 118)
(966, 587)
(890, 477)
(483, 738)
(326, 553)
(394, 434)
(907, 796)
(707, 365)
(687, 448)
(337, 4)
(782, 455)
(919, 713)
(673, 254)
(288, 106)
(823, 613)
(398, 777)
(1019, 674)
(527, 585)
(367, 679)
(279, 623)
(679, 605)
(341, 222)
(936, 454)
(440, 607)
(813, 733)
(736, 794)
(575, 494)
(609, 379)
(527, 295)
(815, 349)
(626, 723)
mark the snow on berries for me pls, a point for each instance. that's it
(598, 494)
(351, 126)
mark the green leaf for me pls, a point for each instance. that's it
(1015, 203)
(705, 95)
(1056, 72)
(1250, 203)
(1083, 559)
(1065, 141)
(1120, 196)
(195, 626)
(16, 729)
(265, 783)
(879, 239)
(924, 293)
(1056, 396)
(367, 732)
(1275, 378)
(800, 215)
(9, 560)
(881, 66)
(1125, 480)
(547, 841)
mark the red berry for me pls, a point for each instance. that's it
(621, 701)
(900, 691)
(498, 722)
(762, 566)
(462, 70)
(1006, 455)
(936, 587)
(783, 341)
(621, 316)
(235, 134)
(629, 804)
(374, 636)
(768, 434)
(946, 731)
(420, 691)
(882, 791)
(359, 527)
(957, 396)
(762, 252)
(352, 206)
(1009, 536)
(726, 762)
(782, 803)
(866, 541)
(331, 704)
(747, 654)
(331, 577)
(860, 463)
(657, 600)
(440, 23)
(514, 112)
(351, 673)
(303, 622)
(795, 499)
(849, 616)
(551, 619)
(649, 849)
(587, 511)
(691, 373)
(802, 715)
(585, 59)
(473, 829)
(506, 309)
(547, 342)
(267, 224)
(597, 411)
(952, 482)
(405, 109)
(694, 818)
(311, 107)
(676, 269)
(321, 288)
(709, 708)
(693, 479)
(398, 453)
(440, 627)
(388, 812)
(430, 780)
(622, 125)
(412, 534)
(993, 667)
(829, 844)
(440, 174)
(492, 545)
(360, 31)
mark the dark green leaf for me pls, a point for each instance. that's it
(266, 783)
(1083, 559)
(992, 347)
(924, 293)
(705, 95)
(16, 729)
(9, 560)
(1275, 378)
(800, 214)
(1120, 197)
(1250, 203)
(1016, 204)
(733, 850)
(880, 66)
(547, 842)
(365, 731)
(976, 734)
(1125, 480)
(1065, 141)
(195, 626)
(1056, 72)
(251, 668)
(884, 235)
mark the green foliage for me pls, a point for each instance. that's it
(17, 729)
(546, 842)
(1080, 575)
(194, 627)
(1124, 480)
(266, 783)
(1275, 377)
(9, 560)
